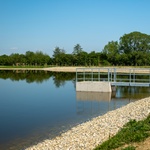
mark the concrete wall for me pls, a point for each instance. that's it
(92, 86)
(95, 96)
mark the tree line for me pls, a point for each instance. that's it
(132, 49)
(29, 58)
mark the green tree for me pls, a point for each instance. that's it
(16, 59)
(40, 58)
(23, 60)
(58, 56)
(56, 51)
(5, 60)
(82, 58)
(111, 50)
(77, 49)
(93, 58)
(30, 58)
(69, 59)
(134, 41)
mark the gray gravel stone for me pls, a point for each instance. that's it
(92, 133)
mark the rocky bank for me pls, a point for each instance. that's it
(92, 133)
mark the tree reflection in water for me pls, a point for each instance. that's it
(31, 76)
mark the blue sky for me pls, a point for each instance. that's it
(44, 24)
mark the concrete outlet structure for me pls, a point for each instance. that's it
(94, 86)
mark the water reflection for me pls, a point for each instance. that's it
(43, 104)
(131, 93)
(31, 76)
(61, 78)
(121, 92)
(93, 102)
(93, 96)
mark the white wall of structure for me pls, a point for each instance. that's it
(93, 86)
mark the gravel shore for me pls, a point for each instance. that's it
(87, 69)
(92, 133)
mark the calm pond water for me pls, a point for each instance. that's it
(35, 105)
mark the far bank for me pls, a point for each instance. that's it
(73, 68)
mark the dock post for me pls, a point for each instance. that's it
(108, 74)
(99, 74)
(133, 75)
(114, 74)
(84, 75)
(92, 74)
(130, 76)
(76, 75)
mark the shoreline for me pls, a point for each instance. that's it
(73, 69)
(90, 134)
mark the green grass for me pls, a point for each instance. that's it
(23, 66)
(33, 66)
(129, 148)
(133, 131)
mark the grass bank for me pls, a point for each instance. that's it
(132, 132)
(37, 66)
(23, 66)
